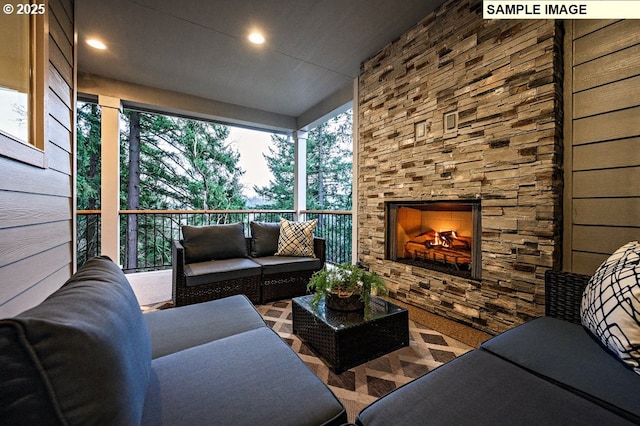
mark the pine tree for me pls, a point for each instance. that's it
(165, 163)
(133, 190)
(88, 157)
(88, 178)
(183, 164)
(186, 164)
(329, 168)
(329, 165)
(280, 161)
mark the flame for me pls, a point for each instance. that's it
(443, 241)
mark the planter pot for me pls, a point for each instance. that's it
(345, 303)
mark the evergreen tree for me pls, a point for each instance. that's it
(165, 163)
(88, 157)
(88, 179)
(329, 177)
(329, 168)
(185, 164)
(329, 164)
(133, 190)
(176, 163)
(280, 161)
(173, 163)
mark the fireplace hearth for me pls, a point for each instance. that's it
(439, 235)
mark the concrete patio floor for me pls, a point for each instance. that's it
(151, 287)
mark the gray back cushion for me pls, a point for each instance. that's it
(214, 242)
(264, 238)
(83, 356)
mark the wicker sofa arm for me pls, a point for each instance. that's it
(563, 294)
(320, 249)
(177, 254)
(177, 268)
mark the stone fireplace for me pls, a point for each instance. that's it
(438, 235)
(467, 112)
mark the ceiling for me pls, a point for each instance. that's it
(313, 49)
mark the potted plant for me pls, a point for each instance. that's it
(345, 287)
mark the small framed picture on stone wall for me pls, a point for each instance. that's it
(451, 121)
(421, 130)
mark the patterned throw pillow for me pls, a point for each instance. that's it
(611, 304)
(296, 238)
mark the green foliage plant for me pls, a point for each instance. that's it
(345, 279)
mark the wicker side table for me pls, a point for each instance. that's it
(344, 340)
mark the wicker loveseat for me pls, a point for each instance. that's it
(549, 371)
(88, 355)
(212, 262)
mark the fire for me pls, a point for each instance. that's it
(444, 238)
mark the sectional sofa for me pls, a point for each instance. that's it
(87, 355)
(572, 367)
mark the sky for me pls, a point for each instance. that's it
(252, 144)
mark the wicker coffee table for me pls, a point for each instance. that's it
(346, 339)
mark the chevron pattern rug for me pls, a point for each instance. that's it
(362, 385)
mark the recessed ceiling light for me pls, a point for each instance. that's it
(96, 44)
(256, 38)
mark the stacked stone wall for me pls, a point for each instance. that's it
(502, 79)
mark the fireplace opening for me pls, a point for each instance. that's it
(438, 235)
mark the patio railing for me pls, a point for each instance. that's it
(151, 232)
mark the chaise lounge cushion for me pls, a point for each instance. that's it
(215, 271)
(83, 356)
(173, 330)
(481, 389)
(283, 264)
(566, 353)
(264, 238)
(251, 378)
(203, 243)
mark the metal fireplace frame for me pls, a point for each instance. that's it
(472, 205)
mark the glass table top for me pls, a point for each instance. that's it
(379, 308)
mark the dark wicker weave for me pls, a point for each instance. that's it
(291, 284)
(285, 286)
(563, 294)
(259, 289)
(346, 339)
(186, 295)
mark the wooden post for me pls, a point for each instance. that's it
(110, 177)
(300, 173)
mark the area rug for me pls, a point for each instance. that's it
(358, 387)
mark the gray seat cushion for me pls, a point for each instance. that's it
(284, 264)
(567, 354)
(83, 356)
(215, 271)
(202, 243)
(173, 330)
(251, 378)
(479, 388)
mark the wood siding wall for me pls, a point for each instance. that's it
(36, 204)
(602, 141)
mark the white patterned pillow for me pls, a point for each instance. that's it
(611, 304)
(296, 238)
